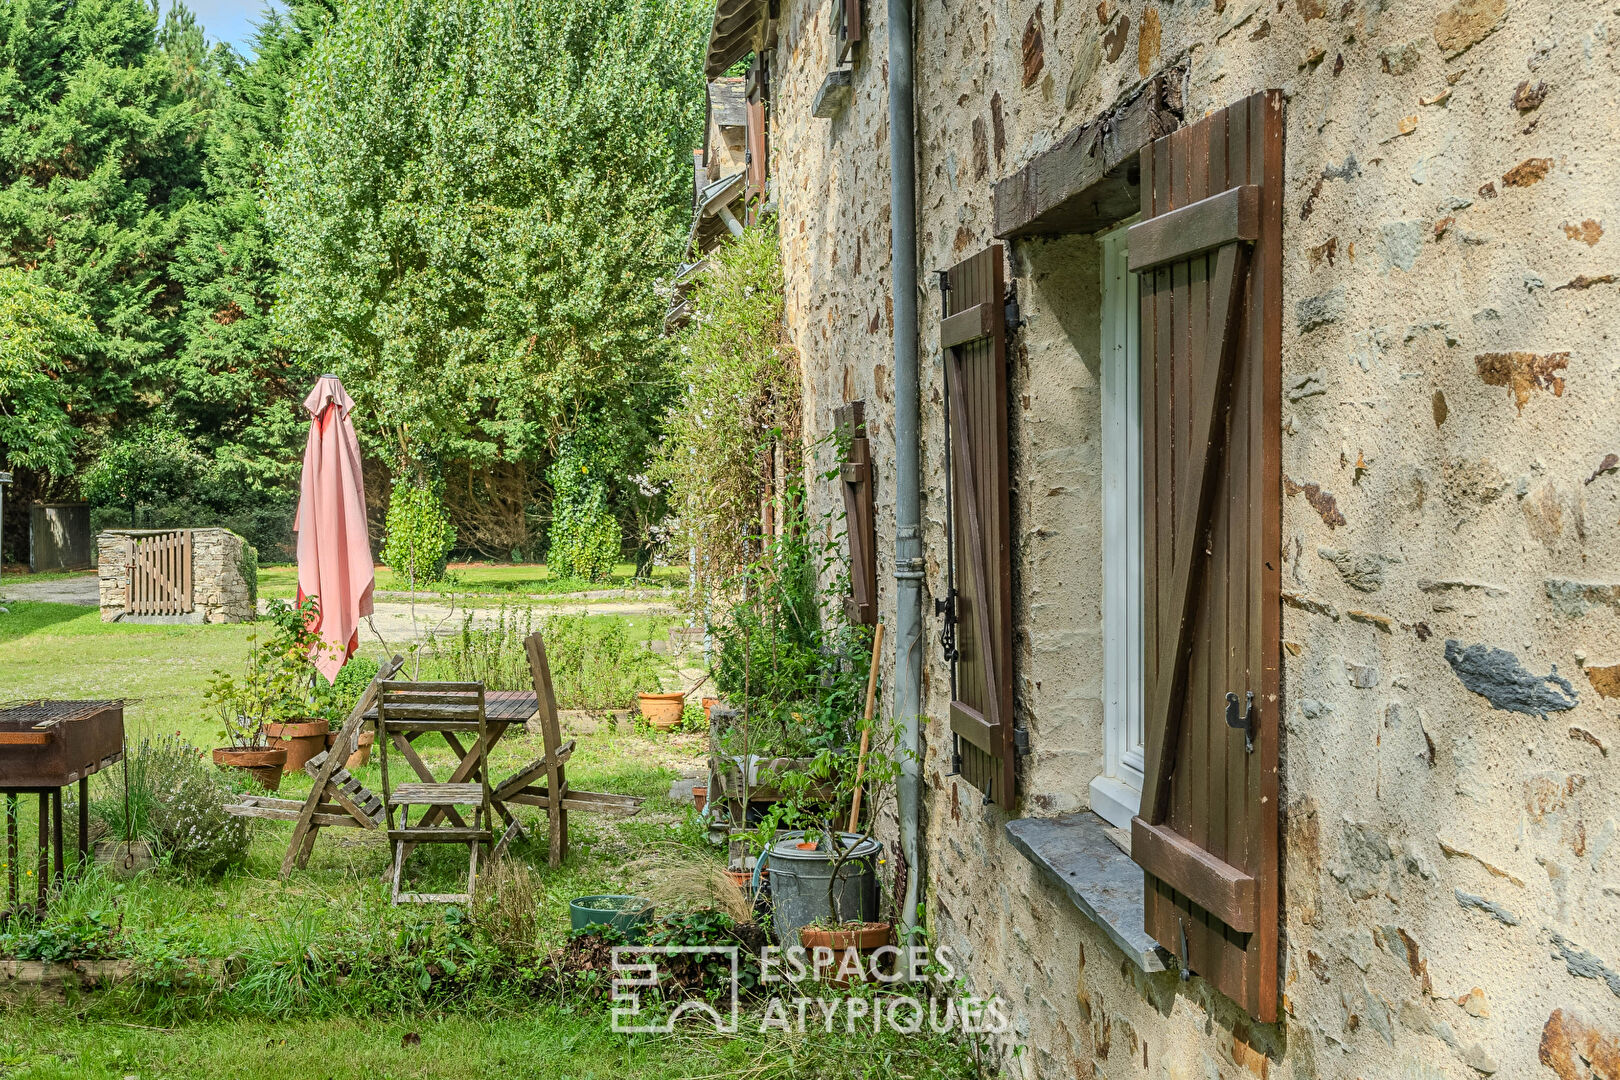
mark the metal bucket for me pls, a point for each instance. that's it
(800, 880)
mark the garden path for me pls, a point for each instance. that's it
(396, 622)
(75, 589)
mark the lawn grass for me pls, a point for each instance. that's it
(547, 1041)
(13, 574)
(66, 651)
(487, 579)
(290, 993)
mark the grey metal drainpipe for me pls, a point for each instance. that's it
(908, 562)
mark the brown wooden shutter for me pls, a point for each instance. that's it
(1209, 249)
(754, 128)
(973, 336)
(860, 518)
(847, 29)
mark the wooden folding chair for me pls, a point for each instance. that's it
(552, 767)
(405, 710)
(335, 799)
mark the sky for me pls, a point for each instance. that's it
(230, 21)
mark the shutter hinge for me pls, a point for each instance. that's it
(1021, 741)
(946, 609)
(1246, 722)
(1011, 312)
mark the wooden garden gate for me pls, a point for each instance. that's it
(158, 574)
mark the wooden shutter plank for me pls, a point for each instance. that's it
(1266, 118)
(1211, 316)
(1212, 883)
(1224, 579)
(1210, 222)
(860, 520)
(965, 450)
(966, 325)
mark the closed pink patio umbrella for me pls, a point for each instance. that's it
(334, 548)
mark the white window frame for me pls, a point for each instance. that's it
(1116, 794)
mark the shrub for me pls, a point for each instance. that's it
(740, 398)
(492, 655)
(585, 539)
(595, 662)
(350, 683)
(176, 802)
(419, 534)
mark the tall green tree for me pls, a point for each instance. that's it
(472, 205)
(232, 380)
(99, 147)
(42, 332)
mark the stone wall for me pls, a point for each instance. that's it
(221, 589)
(1451, 516)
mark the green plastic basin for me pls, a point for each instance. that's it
(630, 914)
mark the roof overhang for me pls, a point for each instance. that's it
(735, 34)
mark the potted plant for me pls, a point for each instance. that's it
(847, 946)
(245, 706)
(824, 878)
(270, 714)
(299, 726)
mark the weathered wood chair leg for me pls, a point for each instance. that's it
(309, 846)
(399, 868)
(472, 869)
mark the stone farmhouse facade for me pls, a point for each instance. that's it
(1269, 440)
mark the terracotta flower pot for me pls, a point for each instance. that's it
(708, 705)
(663, 711)
(807, 845)
(862, 936)
(850, 945)
(302, 740)
(362, 753)
(700, 796)
(264, 763)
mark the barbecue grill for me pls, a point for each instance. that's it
(45, 746)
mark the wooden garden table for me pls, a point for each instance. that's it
(502, 709)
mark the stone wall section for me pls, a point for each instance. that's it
(220, 590)
(1451, 510)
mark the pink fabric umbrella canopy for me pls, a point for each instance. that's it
(334, 550)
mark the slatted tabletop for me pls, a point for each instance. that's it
(505, 705)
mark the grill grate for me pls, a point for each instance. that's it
(40, 712)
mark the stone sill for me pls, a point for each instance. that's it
(837, 90)
(1075, 852)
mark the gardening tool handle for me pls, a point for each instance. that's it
(866, 728)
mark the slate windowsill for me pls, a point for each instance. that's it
(1101, 880)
